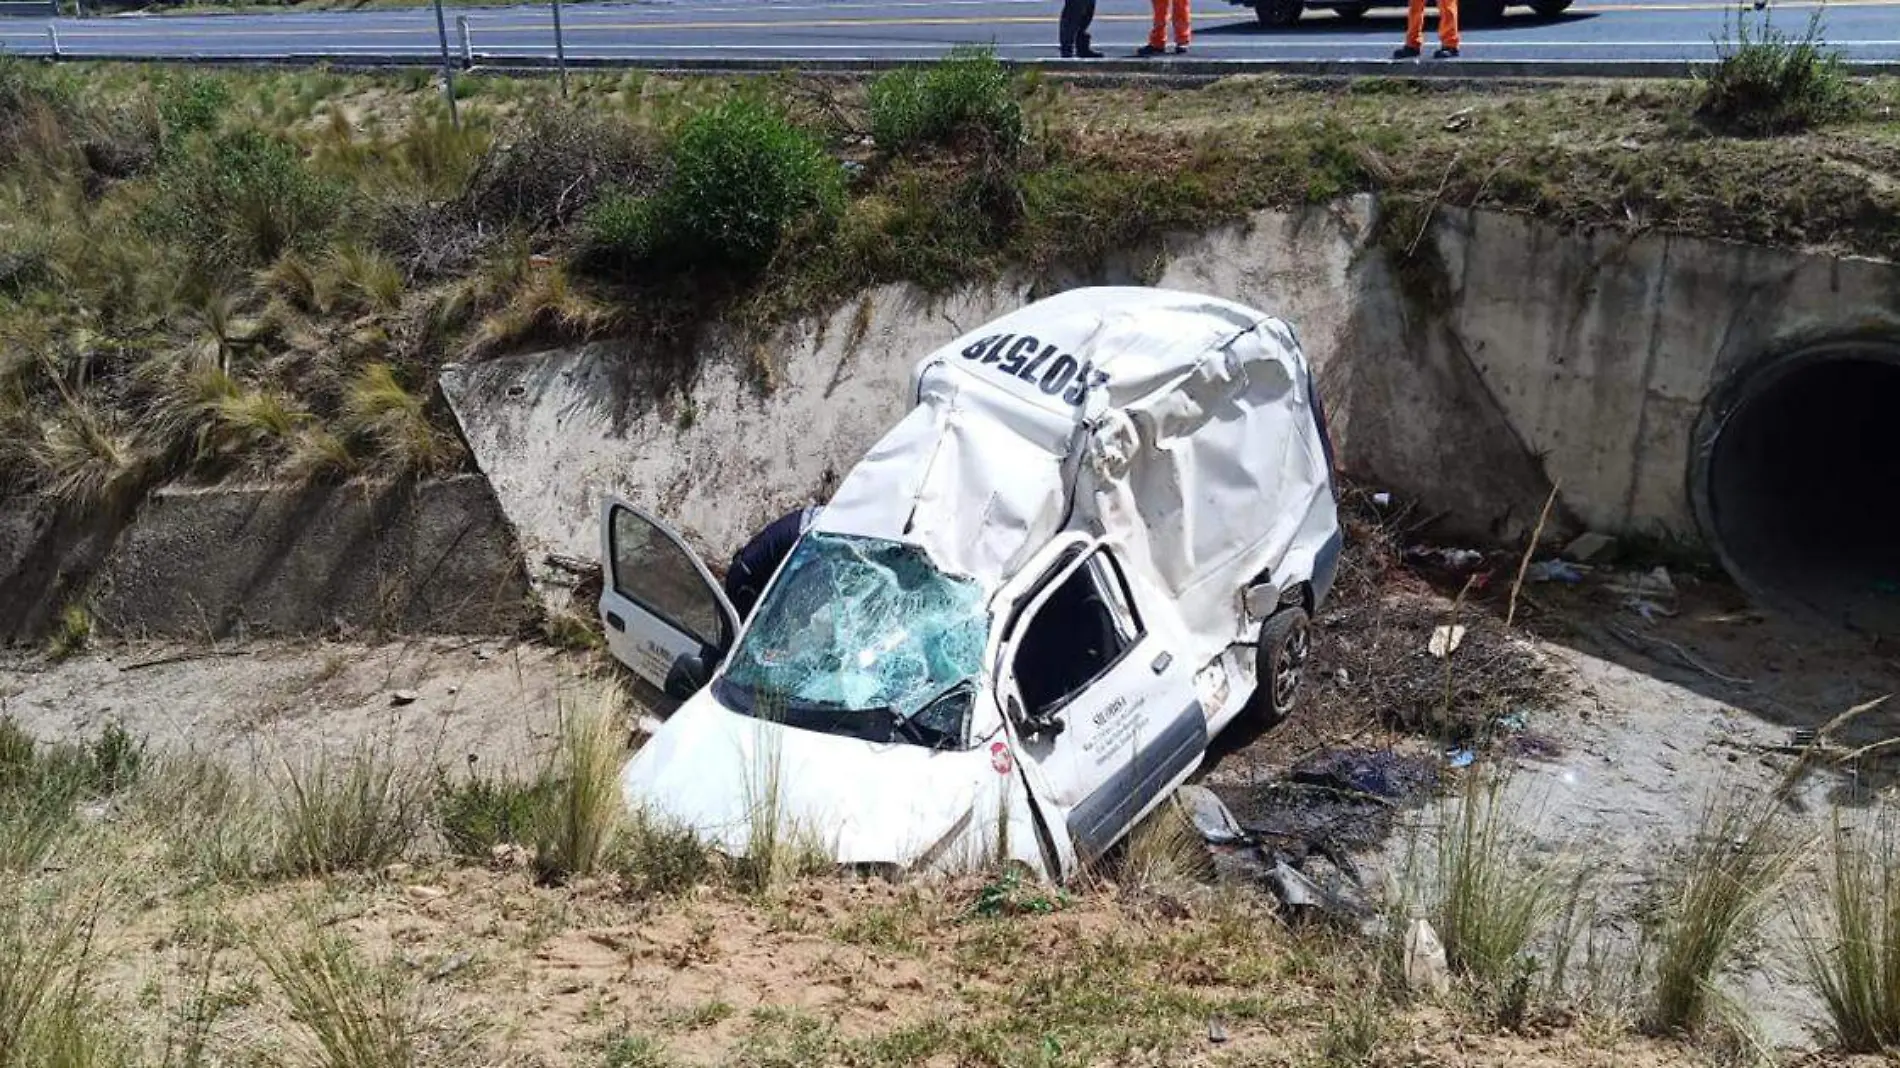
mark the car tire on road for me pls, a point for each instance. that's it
(1278, 14)
(1350, 12)
(1280, 664)
(1550, 9)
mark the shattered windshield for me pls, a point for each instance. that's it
(864, 637)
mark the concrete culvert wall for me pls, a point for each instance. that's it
(1796, 482)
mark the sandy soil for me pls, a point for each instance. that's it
(1629, 726)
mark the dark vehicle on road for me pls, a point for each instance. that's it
(1282, 13)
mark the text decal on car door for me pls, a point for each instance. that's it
(1025, 357)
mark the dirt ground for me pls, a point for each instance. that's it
(1621, 728)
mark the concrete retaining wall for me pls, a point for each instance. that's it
(435, 557)
(1503, 357)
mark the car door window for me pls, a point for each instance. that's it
(657, 574)
(1085, 627)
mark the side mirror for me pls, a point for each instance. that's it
(686, 677)
(1035, 726)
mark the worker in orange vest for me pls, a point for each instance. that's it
(1415, 30)
(1158, 33)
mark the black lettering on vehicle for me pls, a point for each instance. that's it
(1018, 354)
(1088, 378)
(975, 348)
(995, 350)
(1058, 374)
(1028, 374)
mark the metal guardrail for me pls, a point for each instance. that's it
(29, 9)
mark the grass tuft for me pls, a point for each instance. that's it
(72, 633)
(355, 1014)
(482, 812)
(585, 814)
(394, 422)
(48, 1018)
(967, 95)
(1851, 937)
(350, 814)
(1718, 886)
(1765, 82)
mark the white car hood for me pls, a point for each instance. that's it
(711, 769)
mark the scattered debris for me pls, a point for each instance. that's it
(1216, 1030)
(1445, 640)
(1382, 499)
(403, 697)
(1647, 645)
(1647, 608)
(1427, 969)
(1653, 583)
(1554, 571)
(451, 966)
(1461, 758)
(1458, 120)
(1588, 546)
(1455, 559)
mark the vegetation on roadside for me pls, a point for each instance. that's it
(261, 272)
(1765, 82)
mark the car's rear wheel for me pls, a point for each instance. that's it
(1550, 9)
(1286, 638)
(1278, 14)
(1350, 12)
(1482, 12)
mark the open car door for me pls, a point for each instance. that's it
(666, 617)
(1104, 712)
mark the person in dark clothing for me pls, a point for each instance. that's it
(753, 565)
(1076, 16)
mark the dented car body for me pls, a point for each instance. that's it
(1094, 543)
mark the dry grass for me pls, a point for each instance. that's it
(353, 1014)
(1163, 853)
(585, 815)
(1716, 890)
(1851, 932)
(47, 1015)
(396, 424)
(1492, 896)
(353, 813)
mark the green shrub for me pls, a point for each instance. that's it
(743, 177)
(618, 228)
(192, 104)
(243, 198)
(1765, 82)
(968, 94)
(481, 812)
(40, 784)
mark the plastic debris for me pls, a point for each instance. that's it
(1460, 758)
(1216, 1030)
(1210, 816)
(1456, 559)
(1513, 721)
(1293, 888)
(1647, 608)
(1427, 969)
(1382, 499)
(1554, 571)
(403, 697)
(1445, 640)
(1587, 547)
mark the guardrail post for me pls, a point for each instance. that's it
(560, 47)
(448, 65)
(52, 36)
(468, 51)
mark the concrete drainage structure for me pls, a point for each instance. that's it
(1473, 369)
(1796, 479)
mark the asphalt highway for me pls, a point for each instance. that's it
(691, 32)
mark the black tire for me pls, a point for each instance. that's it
(1550, 9)
(1278, 14)
(1482, 12)
(1354, 12)
(1286, 639)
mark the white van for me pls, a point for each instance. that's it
(1095, 542)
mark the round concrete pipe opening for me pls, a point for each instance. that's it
(1799, 482)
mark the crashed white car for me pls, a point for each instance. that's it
(1095, 542)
